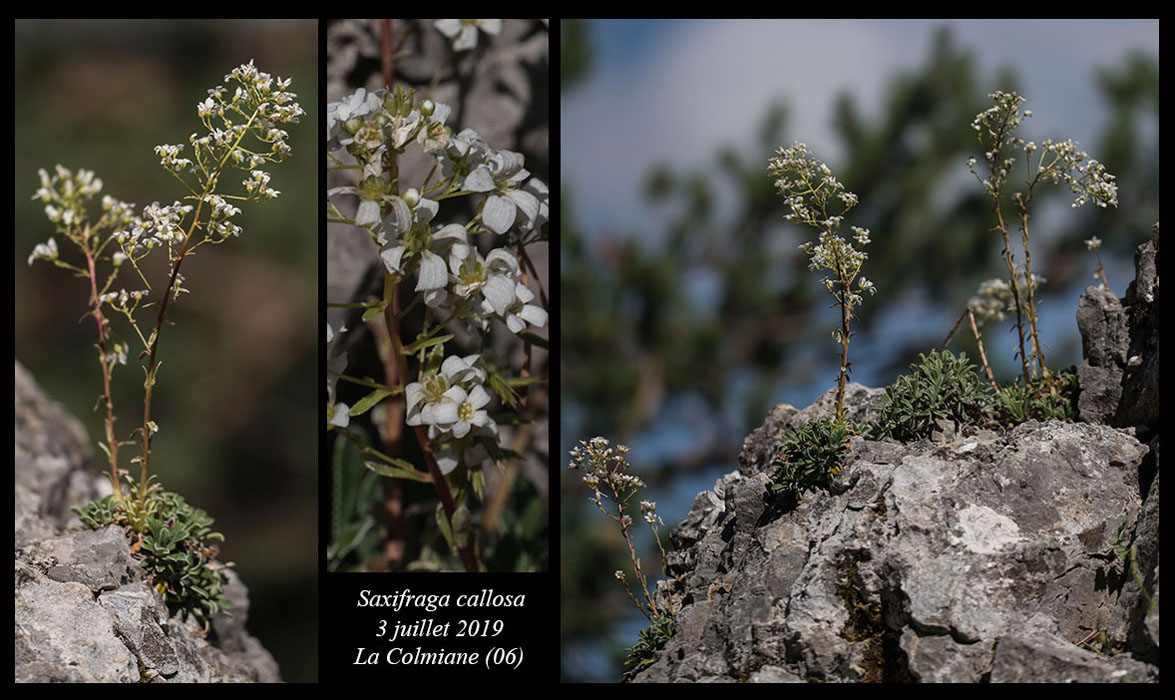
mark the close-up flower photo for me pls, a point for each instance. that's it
(166, 283)
(437, 284)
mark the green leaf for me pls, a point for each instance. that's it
(426, 343)
(373, 312)
(364, 404)
(461, 526)
(477, 480)
(533, 339)
(524, 381)
(399, 469)
(443, 525)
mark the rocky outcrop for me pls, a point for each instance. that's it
(975, 556)
(1119, 376)
(84, 610)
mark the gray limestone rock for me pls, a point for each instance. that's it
(924, 565)
(84, 611)
(1119, 376)
(972, 557)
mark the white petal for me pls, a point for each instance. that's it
(342, 417)
(499, 293)
(480, 180)
(446, 461)
(426, 209)
(455, 394)
(454, 231)
(502, 258)
(400, 220)
(414, 393)
(448, 27)
(442, 413)
(391, 258)
(368, 213)
(433, 274)
(498, 213)
(478, 397)
(526, 202)
(534, 315)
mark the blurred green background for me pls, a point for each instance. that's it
(688, 310)
(237, 398)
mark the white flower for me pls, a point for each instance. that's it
(463, 32)
(470, 411)
(501, 178)
(44, 251)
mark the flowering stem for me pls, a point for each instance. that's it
(168, 295)
(149, 384)
(1014, 286)
(846, 313)
(385, 35)
(391, 314)
(393, 436)
(636, 564)
(1022, 205)
(111, 442)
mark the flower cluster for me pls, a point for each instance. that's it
(993, 299)
(808, 187)
(464, 274)
(1055, 162)
(451, 272)
(123, 238)
(605, 471)
(451, 402)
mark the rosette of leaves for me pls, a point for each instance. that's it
(940, 386)
(648, 643)
(177, 548)
(811, 456)
(1052, 397)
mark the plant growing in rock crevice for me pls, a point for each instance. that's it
(173, 541)
(940, 386)
(605, 471)
(810, 457)
(809, 188)
(1058, 162)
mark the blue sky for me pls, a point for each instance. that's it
(673, 91)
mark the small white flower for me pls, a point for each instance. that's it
(463, 32)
